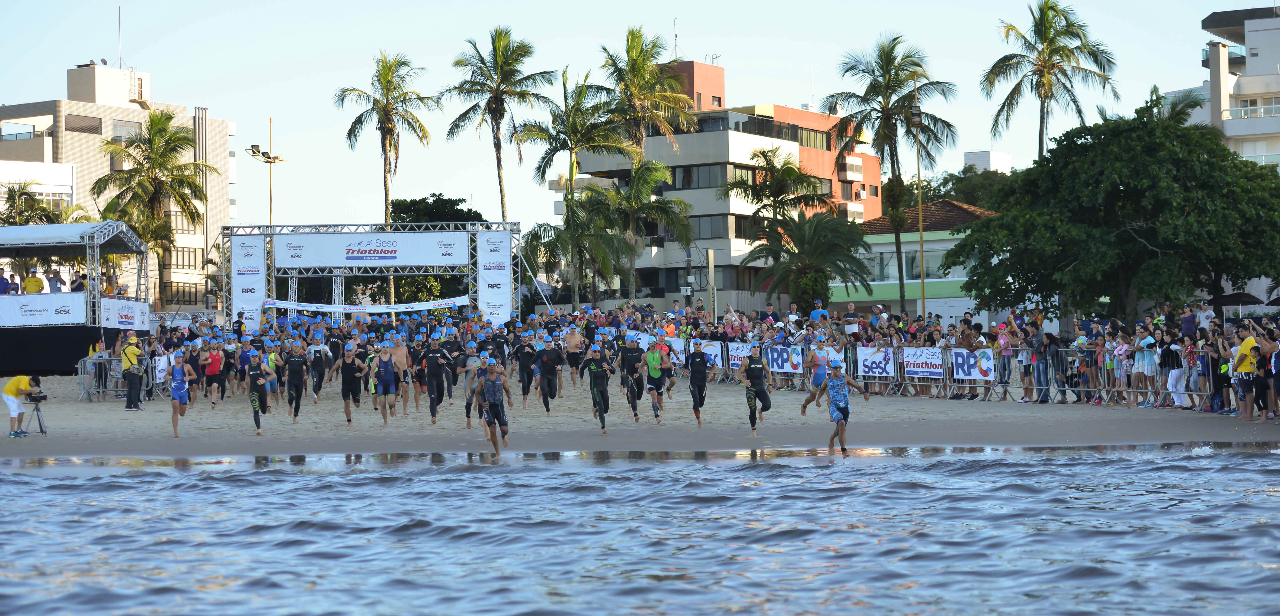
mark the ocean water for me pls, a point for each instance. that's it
(1158, 529)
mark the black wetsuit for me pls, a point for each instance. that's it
(631, 379)
(296, 369)
(257, 392)
(436, 374)
(756, 390)
(698, 364)
(599, 384)
(525, 354)
(549, 360)
(350, 380)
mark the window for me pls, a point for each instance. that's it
(711, 125)
(82, 124)
(815, 139)
(1253, 52)
(824, 187)
(184, 258)
(715, 102)
(121, 129)
(744, 227)
(846, 191)
(746, 174)
(709, 227)
(699, 95)
(697, 176)
(181, 292)
(875, 191)
(179, 223)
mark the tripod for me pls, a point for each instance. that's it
(38, 416)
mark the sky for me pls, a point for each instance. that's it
(248, 62)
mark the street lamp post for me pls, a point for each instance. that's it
(917, 118)
(266, 157)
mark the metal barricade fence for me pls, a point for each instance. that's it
(99, 376)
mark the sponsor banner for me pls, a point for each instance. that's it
(874, 362)
(979, 365)
(370, 249)
(677, 351)
(125, 314)
(414, 307)
(784, 358)
(493, 257)
(738, 352)
(248, 278)
(42, 309)
(922, 363)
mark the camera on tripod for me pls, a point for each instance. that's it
(37, 397)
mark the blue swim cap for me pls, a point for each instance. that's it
(244, 338)
(835, 363)
(296, 343)
(435, 336)
(364, 336)
(484, 353)
(599, 337)
(471, 345)
(418, 337)
(350, 347)
(318, 335)
(551, 312)
(491, 362)
(488, 320)
(547, 339)
(595, 347)
(697, 342)
(422, 329)
(253, 353)
(513, 313)
(479, 336)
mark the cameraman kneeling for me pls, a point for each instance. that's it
(18, 386)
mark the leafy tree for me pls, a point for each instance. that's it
(807, 254)
(980, 188)
(587, 238)
(891, 73)
(495, 83)
(647, 93)
(778, 187)
(1054, 56)
(1128, 209)
(22, 206)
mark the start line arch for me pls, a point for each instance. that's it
(253, 256)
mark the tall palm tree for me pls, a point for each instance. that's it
(23, 207)
(390, 106)
(588, 234)
(807, 253)
(582, 124)
(496, 82)
(648, 94)
(895, 77)
(1054, 56)
(778, 187)
(154, 179)
(636, 205)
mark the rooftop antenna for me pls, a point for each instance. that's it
(675, 47)
(119, 43)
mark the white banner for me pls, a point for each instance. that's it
(977, 365)
(125, 314)
(248, 278)
(738, 351)
(414, 307)
(875, 362)
(922, 362)
(370, 249)
(493, 256)
(42, 309)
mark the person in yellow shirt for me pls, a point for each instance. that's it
(32, 283)
(18, 386)
(130, 364)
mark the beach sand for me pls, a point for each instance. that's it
(104, 428)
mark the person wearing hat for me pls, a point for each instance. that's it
(400, 357)
(320, 359)
(836, 386)
(598, 383)
(351, 369)
(296, 366)
(258, 374)
(489, 392)
(385, 377)
(32, 284)
(755, 372)
(470, 366)
(699, 364)
(16, 387)
(211, 365)
(549, 360)
(416, 375)
(435, 361)
(131, 366)
(657, 363)
(525, 353)
(180, 374)
(573, 350)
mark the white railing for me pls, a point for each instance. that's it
(1241, 113)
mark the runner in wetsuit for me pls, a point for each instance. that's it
(417, 375)
(384, 376)
(600, 370)
(549, 360)
(435, 361)
(837, 387)
(295, 371)
(631, 358)
(257, 375)
(524, 354)
(699, 364)
(180, 374)
(469, 370)
(352, 370)
(489, 390)
(756, 372)
(450, 343)
(321, 360)
(656, 364)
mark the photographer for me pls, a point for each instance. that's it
(18, 386)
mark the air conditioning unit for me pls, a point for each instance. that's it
(859, 195)
(686, 290)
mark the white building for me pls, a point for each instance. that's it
(990, 159)
(53, 183)
(109, 103)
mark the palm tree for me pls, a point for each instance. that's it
(778, 187)
(582, 124)
(895, 78)
(495, 82)
(23, 207)
(588, 234)
(390, 106)
(807, 253)
(647, 93)
(1055, 55)
(153, 180)
(636, 205)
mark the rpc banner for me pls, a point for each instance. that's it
(875, 362)
(922, 362)
(978, 365)
(125, 314)
(248, 278)
(370, 249)
(493, 257)
(784, 358)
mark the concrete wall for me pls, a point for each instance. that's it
(1263, 37)
(36, 150)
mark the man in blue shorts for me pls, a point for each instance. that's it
(180, 373)
(837, 386)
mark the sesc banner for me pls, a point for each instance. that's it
(979, 365)
(248, 278)
(493, 254)
(125, 314)
(922, 362)
(42, 309)
(370, 249)
(874, 362)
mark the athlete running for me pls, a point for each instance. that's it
(524, 354)
(699, 364)
(320, 360)
(180, 374)
(756, 372)
(351, 371)
(837, 387)
(549, 361)
(435, 360)
(295, 371)
(632, 358)
(657, 363)
(600, 370)
(385, 376)
(817, 360)
(257, 375)
(490, 390)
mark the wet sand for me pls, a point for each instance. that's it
(104, 428)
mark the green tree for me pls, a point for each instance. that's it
(777, 187)
(894, 77)
(1128, 209)
(582, 124)
(154, 180)
(495, 83)
(23, 207)
(893, 196)
(648, 94)
(1055, 55)
(807, 254)
(970, 186)
(587, 238)
(635, 206)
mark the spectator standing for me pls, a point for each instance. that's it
(55, 281)
(32, 284)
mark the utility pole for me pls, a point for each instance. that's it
(917, 118)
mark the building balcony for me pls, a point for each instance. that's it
(1235, 57)
(32, 147)
(850, 170)
(1272, 160)
(1251, 121)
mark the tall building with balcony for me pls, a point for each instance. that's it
(702, 161)
(111, 103)
(1242, 92)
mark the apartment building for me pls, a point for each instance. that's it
(702, 161)
(1242, 92)
(110, 103)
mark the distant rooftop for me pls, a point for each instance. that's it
(1230, 24)
(942, 215)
